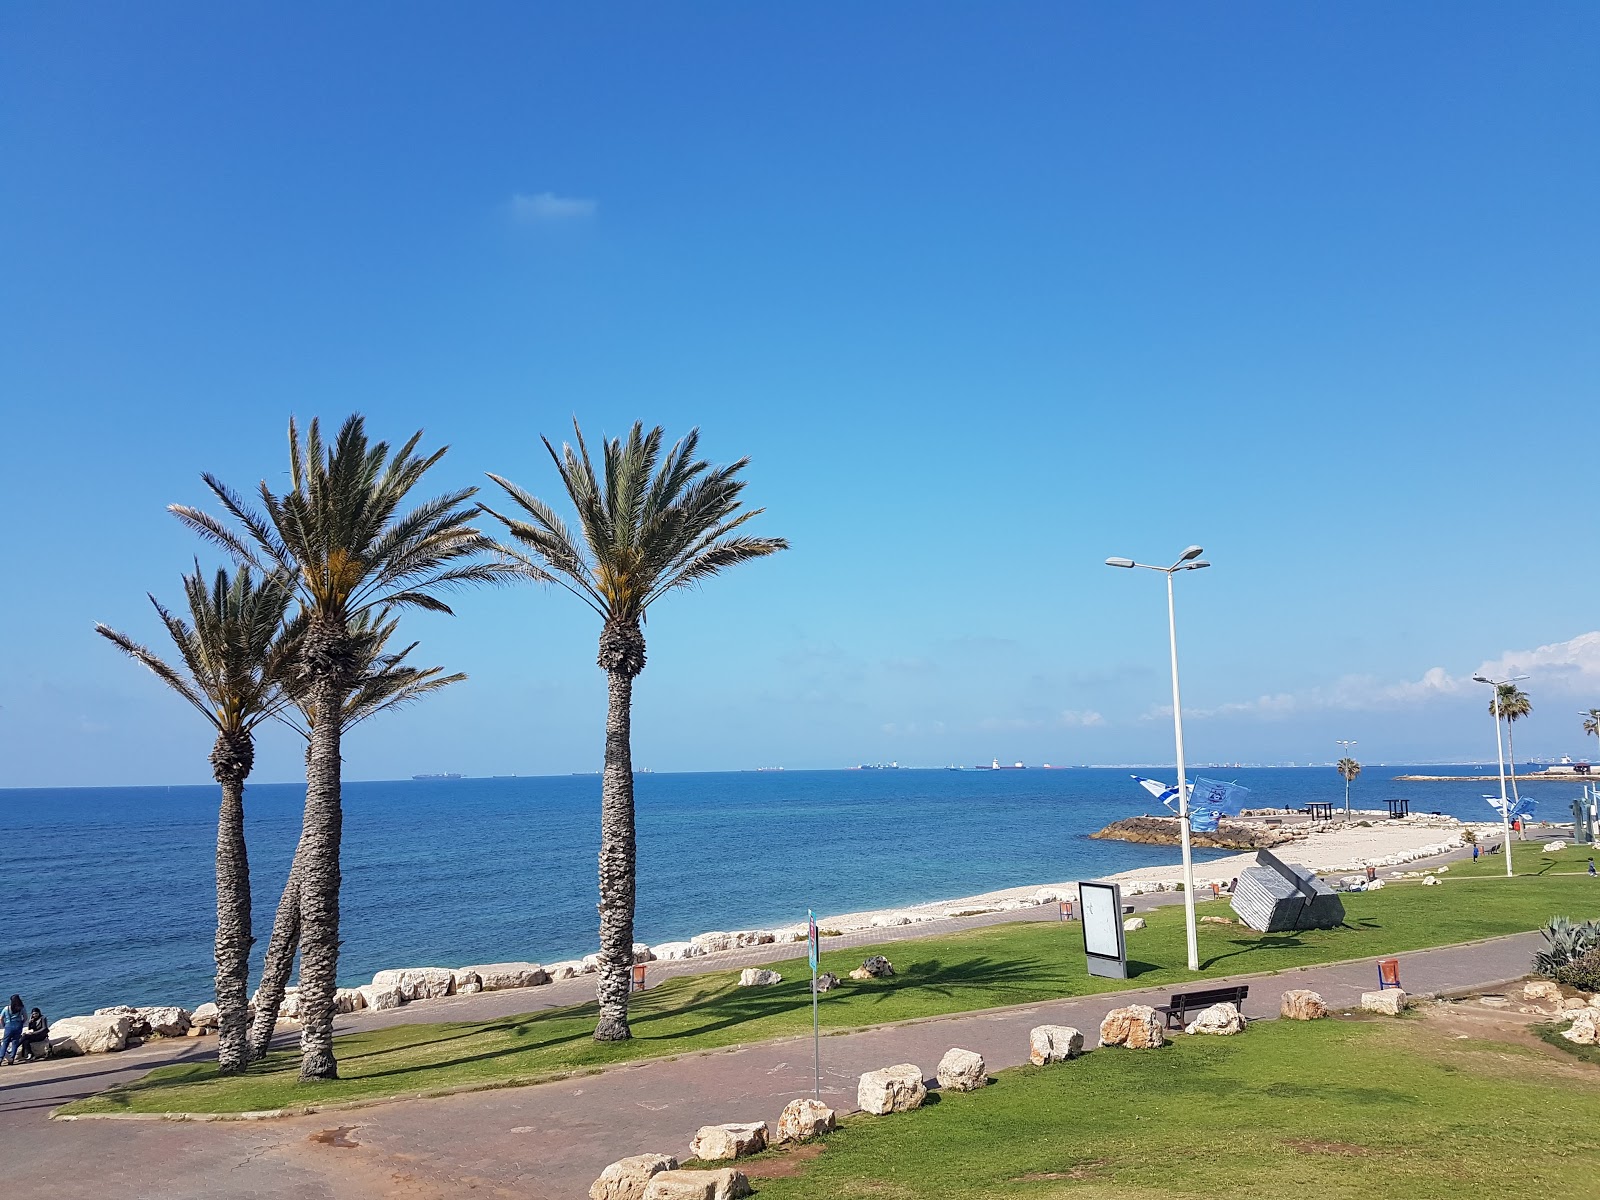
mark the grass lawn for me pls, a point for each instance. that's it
(1333, 1109)
(996, 965)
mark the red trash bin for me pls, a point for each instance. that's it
(1388, 973)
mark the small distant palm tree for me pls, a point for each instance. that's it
(387, 682)
(1591, 722)
(650, 524)
(1514, 705)
(233, 659)
(1348, 769)
(340, 532)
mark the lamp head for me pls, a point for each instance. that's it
(1190, 553)
(1119, 562)
(1481, 679)
(1195, 566)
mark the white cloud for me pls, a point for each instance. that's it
(1570, 666)
(1081, 719)
(547, 206)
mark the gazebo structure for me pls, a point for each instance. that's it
(1398, 809)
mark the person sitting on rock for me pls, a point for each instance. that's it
(36, 1036)
(12, 1019)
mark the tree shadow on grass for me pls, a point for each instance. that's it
(1287, 941)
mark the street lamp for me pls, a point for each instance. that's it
(1499, 750)
(1344, 751)
(1190, 560)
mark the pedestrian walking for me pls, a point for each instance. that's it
(12, 1019)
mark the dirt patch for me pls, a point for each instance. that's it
(785, 1161)
(1084, 1170)
(1312, 1146)
(335, 1137)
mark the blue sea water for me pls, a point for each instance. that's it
(121, 906)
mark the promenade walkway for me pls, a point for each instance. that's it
(549, 1141)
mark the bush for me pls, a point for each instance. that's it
(1568, 943)
(1469, 837)
(1582, 972)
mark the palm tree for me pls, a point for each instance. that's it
(1348, 768)
(1591, 722)
(340, 532)
(386, 683)
(232, 662)
(651, 525)
(1514, 705)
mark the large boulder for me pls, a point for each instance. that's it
(1053, 1043)
(826, 982)
(1541, 989)
(891, 1090)
(717, 940)
(570, 969)
(381, 998)
(714, 1143)
(1585, 1027)
(417, 983)
(876, 967)
(961, 1071)
(672, 951)
(1133, 924)
(348, 1000)
(1302, 1004)
(1218, 1019)
(642, 953)
(466, 982)
(165, 1020)
(724, 1183)
(802, 1119)
(758, 977)
(137, 1026)
(99, 1033)
(205, 1018)
(1391, 1002)
(627, 1178)
(289, 1006)
(502, 977)
(1136, 1026)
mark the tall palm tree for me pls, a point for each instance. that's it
(341, 533)
(232, 663)
(1591, 722)
(387, 682)
(650, 524)
(1514, 705)
(1348, 769)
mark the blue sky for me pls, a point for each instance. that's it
(986, 293)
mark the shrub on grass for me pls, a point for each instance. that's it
(1568, 941)
(1582, 972)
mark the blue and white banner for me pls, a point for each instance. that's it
(1209, 800)
(1520, 809)
(1167, 793)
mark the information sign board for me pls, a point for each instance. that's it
(1104, 941)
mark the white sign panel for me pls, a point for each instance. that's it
(1103, 942)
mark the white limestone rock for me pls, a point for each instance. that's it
(138, 1027)
(891, 1089)
(961, 1071)
(673, 951)
(889, 920)
(348, 1000)
(642, 953)
(1221, 1019)
(758, 977)
(380, 998)
(1136, 1026)
(1053, 1044)
(1133, 924)
(826, 982)
(1430, 881)
(165, 1021)
(717, 1143)
(1541, 990)
(417, 983)
(205, 1018)
(590, 964)
(1585, 1028)
(1552, 847)
(876, 967)
(627, 1178)
(711, 943)
(502, 977)
(289, 1006)
(725, 1183)
(466, 983)
(570, 969)
(99, 1033)
(804, 1119)
(1302, 1004)
(1390, 1002)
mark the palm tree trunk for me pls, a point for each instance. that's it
(231, 759)
(279, 964)
(318, 874)
(617, 863)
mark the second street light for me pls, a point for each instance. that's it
(1499, 750)
(1189, 561)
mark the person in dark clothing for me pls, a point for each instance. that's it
(1591, 868)
(36, 1036)
(12, 1019)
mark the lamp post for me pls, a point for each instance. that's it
(1500, 754)
(1344, 752)
(1189, 561)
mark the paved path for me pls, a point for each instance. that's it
(548, 1142)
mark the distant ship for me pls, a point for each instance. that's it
(441, 775)
(997, 765)
(894, 766)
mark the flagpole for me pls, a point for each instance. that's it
(816, 1028)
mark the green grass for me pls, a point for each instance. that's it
(1339, 1109)
(997, 965)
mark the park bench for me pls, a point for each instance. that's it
(1177, 1008)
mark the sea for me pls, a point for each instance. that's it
(116, 905)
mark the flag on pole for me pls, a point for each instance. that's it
(1167, 793)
